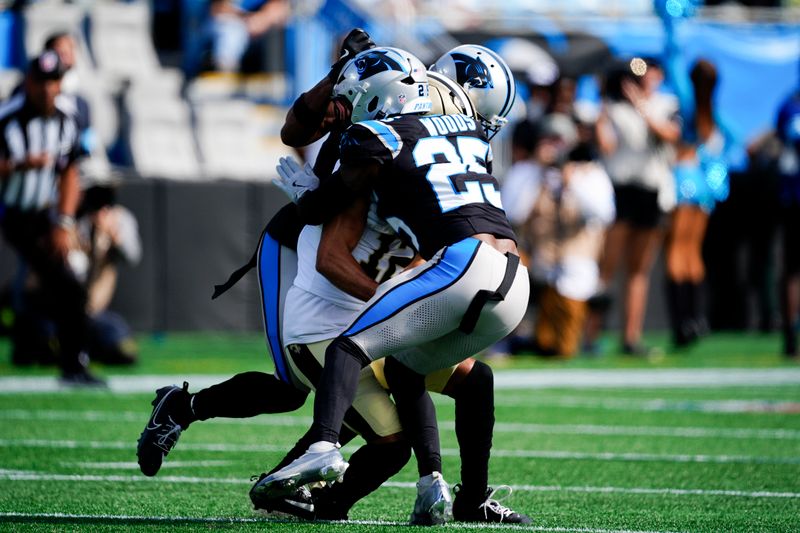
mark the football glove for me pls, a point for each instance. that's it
(293, 179)
(356, 41)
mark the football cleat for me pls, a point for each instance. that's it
(171, 415)
(490, 510)
(433, 506)
(325, 505)
(299, 504)
(321, 462)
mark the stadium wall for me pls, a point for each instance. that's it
(194, 235)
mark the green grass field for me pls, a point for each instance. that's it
(593, 458)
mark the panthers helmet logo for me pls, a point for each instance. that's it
(472, 71)
(373, 62)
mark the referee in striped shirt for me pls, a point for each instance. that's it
(39, 194)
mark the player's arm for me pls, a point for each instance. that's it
(70, 191)
(334, 256)
(306, 119)
(313, 114)
(605, 134)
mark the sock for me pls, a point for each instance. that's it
(370, 466)
(417, 414)
(681, 313)
(337, 388)
(246, 395)
(697, 306)
(673, 305)
(474, 402)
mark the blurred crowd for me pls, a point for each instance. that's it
(596, 192)
(597, 196)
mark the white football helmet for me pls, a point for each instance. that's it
(487, 80)
(448, 97)
(384, 81)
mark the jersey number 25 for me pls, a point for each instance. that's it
(467, 155)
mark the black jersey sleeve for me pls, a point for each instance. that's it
(328, 156)
(371, 140)
(329, 199)
(285, 226)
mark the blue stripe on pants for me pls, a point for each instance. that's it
(269, 277)
(451, 266)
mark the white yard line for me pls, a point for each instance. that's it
(645, 378)
(130, 465)
(20, 475)
(243, 520)
(500, 427)
(504, 379)
(653, 404)
(497, 452)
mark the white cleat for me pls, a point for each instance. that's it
(434, 505)
(321, 462)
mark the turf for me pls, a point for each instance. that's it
(590, 459)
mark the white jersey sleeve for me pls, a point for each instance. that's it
(319, 310)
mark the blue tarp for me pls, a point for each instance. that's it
(758, 64)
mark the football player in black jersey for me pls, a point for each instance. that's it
(430, 175)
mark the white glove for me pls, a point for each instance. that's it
(295, 180)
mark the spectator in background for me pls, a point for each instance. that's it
(635, 132)
(570, 201)
(108, 235)
(701, 180)
(548, 93)
(39, 194)
(231, 31)
(63, 44)
(788, 128)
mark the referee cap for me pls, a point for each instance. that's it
(47, 66)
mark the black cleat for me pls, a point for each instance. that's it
(326, 507)
(490, 510)
(298, 504)
(171, 415)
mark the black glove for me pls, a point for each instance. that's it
(356, 41)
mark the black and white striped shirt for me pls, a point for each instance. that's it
(25, 132)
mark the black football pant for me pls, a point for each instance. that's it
(63, 296)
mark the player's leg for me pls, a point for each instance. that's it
(471, 385)
(372, 415)
(790, 279)
(433, 504)
(244, 395)
(174, 409)
(420, 305)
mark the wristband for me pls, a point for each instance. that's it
(65, 221)
(304, 114)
